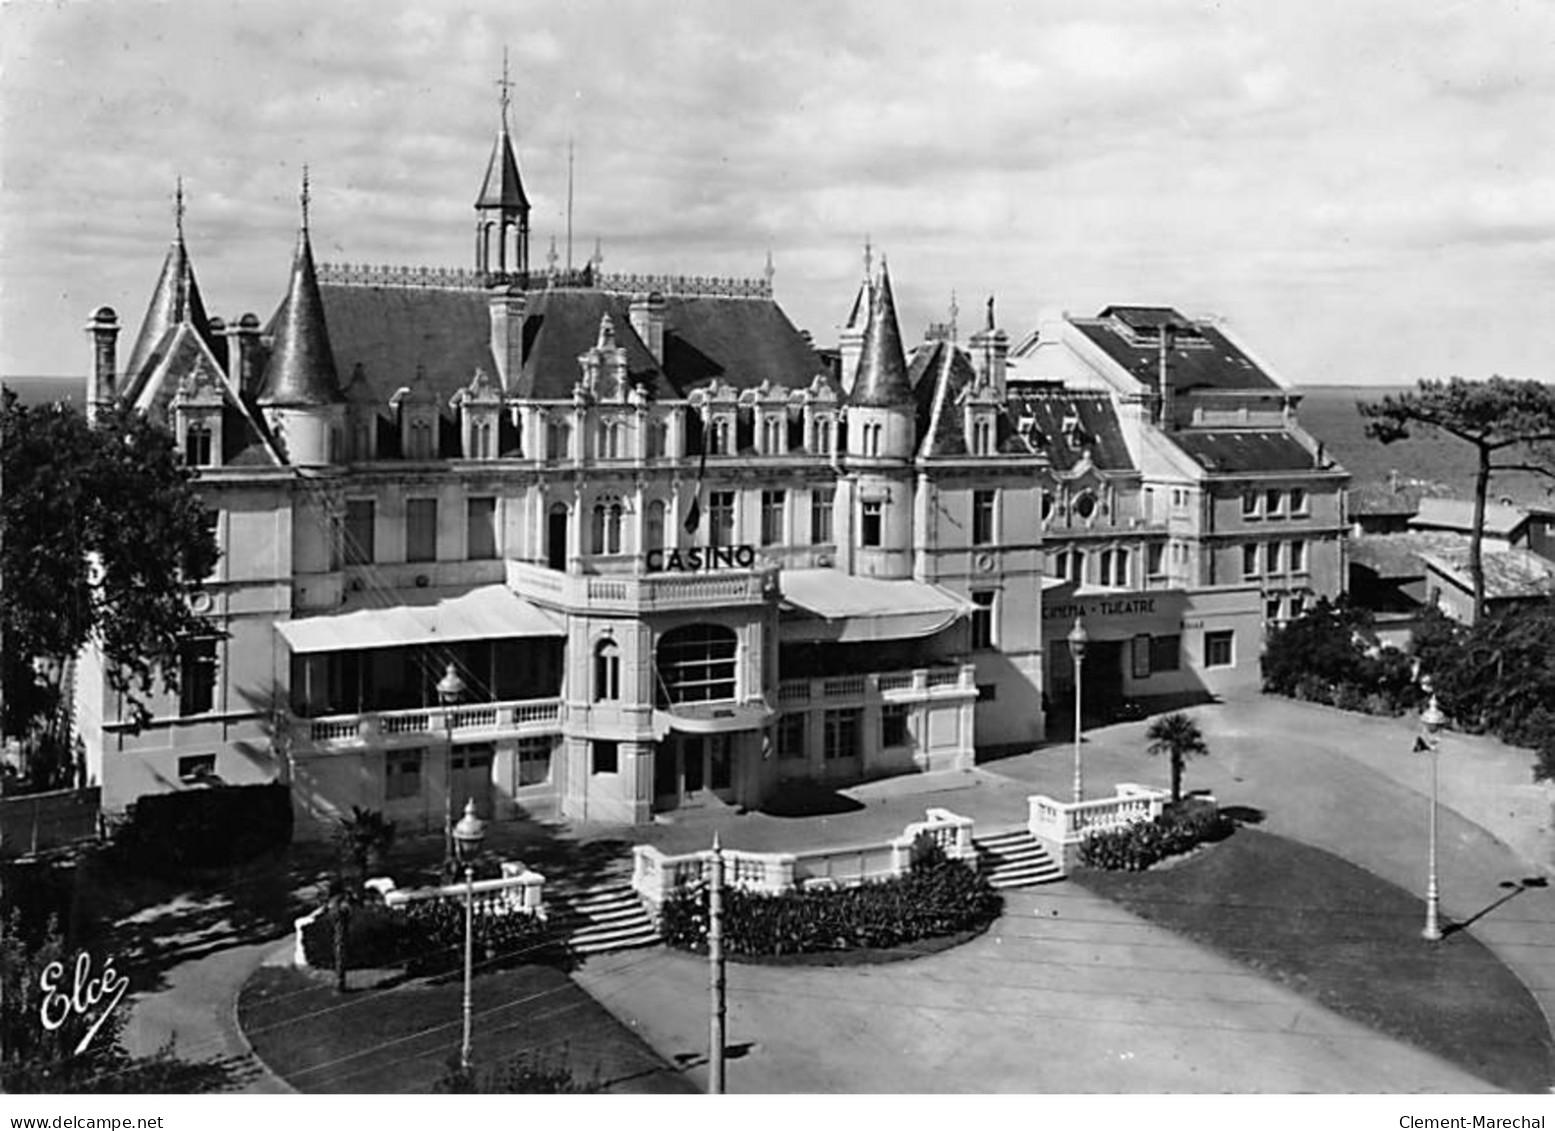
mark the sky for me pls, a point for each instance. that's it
(1364, 192)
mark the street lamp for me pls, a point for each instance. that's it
(1078, 639)
(450, 689)
(1433, 720)
(468, 835)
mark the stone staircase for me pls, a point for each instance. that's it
(1015, 860)
(601, 917)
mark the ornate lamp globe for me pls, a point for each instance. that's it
(469, 833)
(1078, 638)
(450, 689)
(1432, 717)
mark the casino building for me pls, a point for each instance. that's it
(606, 546)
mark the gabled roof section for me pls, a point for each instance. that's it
(502, 187)
(176, 299)
(1064, 425)
(1201, 357)
(301, 370)
(185, 361)
(943, 378)
(1243, 450)
(882, 380)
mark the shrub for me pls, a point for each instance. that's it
(425, 937)
(937, 897)
(204, 828)
(1140, 845)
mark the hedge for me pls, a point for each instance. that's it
(209, 827)
(1137, 847)
(425, 937)
(938, 897)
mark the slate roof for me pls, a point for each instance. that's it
(1509, 574)
(502, 187)
(1243, 450)
(301, 369)
(1129, 335)
(185, 357)
(882, 380)
(1458, 514)
(176, 298)
(1041, 417)
(940, 373)
(388, 331)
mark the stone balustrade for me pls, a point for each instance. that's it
(657, 876)
(470, 720)
(647, 593)
(1062, 826)
(463, 279)
(891, 687)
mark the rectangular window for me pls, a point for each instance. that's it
(1274, 502)
(822, 499)
(720, 518)
(774, 516)
(1298, 557)
(480, 524)
(420, 530)
(1249, 504)
(870, 534)
(1140, 657)
(1250, 560)
(606, 756)
(844, 731)
(1298, 501)
(534, 761)
(210, 520)
(1271, 609)
(984, 506)
(197, 676)
(893, 725)
(987, 692)
(1165, 653)
(1217, 649)
(791, 736)
(982, 618)
(402, 775)
(1155, 559)
(1272, 556)
(196, 767)
(1298, 605)
(361, 522)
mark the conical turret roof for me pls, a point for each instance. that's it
(882, 380)
(175, 300)
(502, 187)
(301, 369)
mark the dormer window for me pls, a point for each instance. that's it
(1085, 505)
(420, 445)
(773, 435)
(197, 445)
(982, 436)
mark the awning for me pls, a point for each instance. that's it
(430, 616)
(711, 718)
(829, 606)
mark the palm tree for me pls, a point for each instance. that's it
(1179, 738)
(366, 838)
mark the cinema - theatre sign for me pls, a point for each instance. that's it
(699, 559)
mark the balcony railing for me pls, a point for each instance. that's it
(503, 719)
(640, 594)
(893, 687)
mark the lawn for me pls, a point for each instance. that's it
(398, 1038)
(1351, 942)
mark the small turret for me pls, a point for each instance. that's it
(104, 328)
(175, 300)
(502, 209)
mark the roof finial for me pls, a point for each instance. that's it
(504, 86)
(178, 209)
(768, 271)
(955, 312)
(990, 312)
(869, 258)
(306, 197)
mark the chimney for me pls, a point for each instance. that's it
(991, 348)
(244, 365)
(104, 328)
(1164, 376)
(647, 315)
(218, 341)
(507, 306)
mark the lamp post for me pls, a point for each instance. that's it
(450, 689)
(468, 835)
(1078, 639)
(1433, 720)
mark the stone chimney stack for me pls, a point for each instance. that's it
(244, 365)
(507, 305)
(647, 315)
(104, 328)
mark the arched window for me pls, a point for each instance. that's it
(558, 439)
(606, 528)
(658, 439)
(556, 537)
(1047, 505)
(607, 671)
(609, 439)
(696, 663)
(821, 442)
(653, 526)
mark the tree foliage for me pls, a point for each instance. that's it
(1179, 738)
(1511, 425)
(99, 527)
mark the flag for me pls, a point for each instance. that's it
(693, 520)
(1422, 746)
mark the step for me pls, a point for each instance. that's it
(1015, 859)
(601, 917)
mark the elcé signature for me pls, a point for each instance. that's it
(85, 995)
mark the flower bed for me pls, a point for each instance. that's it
(1137, 847)
(938, 897)
(426, 937)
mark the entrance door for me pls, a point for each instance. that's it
(666, 775)
(688, 768)
(693, 763)
(470, 779)
(556, 537)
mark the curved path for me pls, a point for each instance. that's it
(1071, 993)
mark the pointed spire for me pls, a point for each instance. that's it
(502, 187)
(882, 380)
(301, 370)
(505, 87)
(955, 313)
(176, 299)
